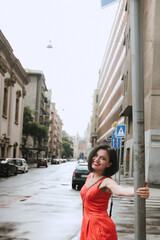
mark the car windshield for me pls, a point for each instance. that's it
(18, 162)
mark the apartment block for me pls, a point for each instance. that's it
(115, 86)
(110, 83)
(151, 47)
(55, 143)
(36, 99)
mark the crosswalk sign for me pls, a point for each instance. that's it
(121, 131)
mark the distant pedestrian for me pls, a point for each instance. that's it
(96, 192)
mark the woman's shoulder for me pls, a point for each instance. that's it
(107, 180)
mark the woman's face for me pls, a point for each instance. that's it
(101, 161)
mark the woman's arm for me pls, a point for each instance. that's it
(126, 191)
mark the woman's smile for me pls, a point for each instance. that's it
(95, 163)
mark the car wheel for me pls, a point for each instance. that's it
(7, 174)
(73, 186)
(15, 172)
(47, 166)
(37, 166)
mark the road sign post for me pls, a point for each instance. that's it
(121, 133)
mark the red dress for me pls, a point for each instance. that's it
(96, 224)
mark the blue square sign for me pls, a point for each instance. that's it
(115, 142)
(114, 134)
(121, 131)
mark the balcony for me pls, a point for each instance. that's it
(126, 107)
(126, 111)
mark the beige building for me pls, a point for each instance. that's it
(115, 86)
(55, 138)
(94, 119)
(151, 36)
(36, 99)
(13, 79)
(110, 83)
(80, 148)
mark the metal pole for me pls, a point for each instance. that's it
(120, 153)
(138, 114)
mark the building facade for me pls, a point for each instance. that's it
(151, 45)
(36, 99)
(13, 80)
(55, 133)
(110, 83)
(94, 119)
(115, 86)
(80, 147)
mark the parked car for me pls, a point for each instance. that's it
(79, 175)
(55, 161)
(42, 162)
(21, 164)
(81, 160)
(8, 167)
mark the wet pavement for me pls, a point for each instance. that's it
(123, 214)
(41, 205)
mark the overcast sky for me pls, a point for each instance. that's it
(79, 32)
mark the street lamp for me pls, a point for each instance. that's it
(49, 45)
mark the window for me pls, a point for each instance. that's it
(18, 95)
(5, 101)
(129, 38)
(126, 83)
(129, 123)
(127, 159)
(96, 98)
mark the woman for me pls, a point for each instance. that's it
(96, 192)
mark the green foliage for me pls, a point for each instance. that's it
(27, 120)
(31, 128)
(67, 149)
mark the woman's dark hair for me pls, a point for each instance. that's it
(109, 171)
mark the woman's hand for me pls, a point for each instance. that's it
(143, 192)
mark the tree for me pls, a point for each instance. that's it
(38, 132)
(31, 128)
(67, 149)
(27, 120)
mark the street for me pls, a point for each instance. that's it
(41, 205)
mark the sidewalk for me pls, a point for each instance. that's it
(154, 189)
(32, 165)
(124, 217)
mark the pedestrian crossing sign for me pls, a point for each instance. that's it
(121, 131)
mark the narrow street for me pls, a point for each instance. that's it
(41, 205)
